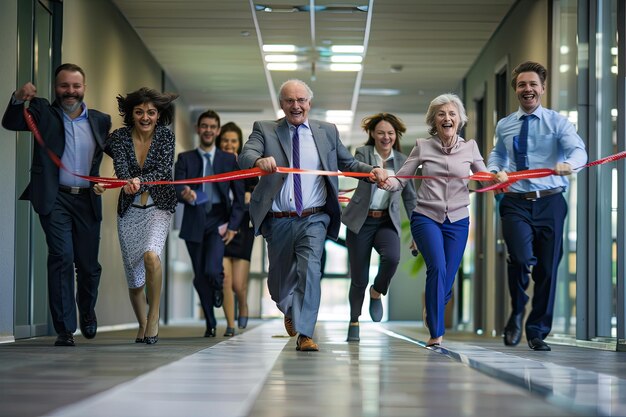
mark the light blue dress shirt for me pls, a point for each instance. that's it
(551, 139)
(313, 187)
(80, 146)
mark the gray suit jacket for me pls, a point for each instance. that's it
(355, 213)
(272, 138)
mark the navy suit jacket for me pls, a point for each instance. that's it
(44, 174)
(190, 165)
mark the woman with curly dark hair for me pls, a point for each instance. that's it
(143, 151)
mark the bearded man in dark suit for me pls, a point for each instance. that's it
(69, 210)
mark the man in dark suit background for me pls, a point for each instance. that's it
(296, 213)
(69, 211)
(210, 218)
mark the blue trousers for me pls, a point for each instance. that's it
(73, 238)
(533, 232)
(442, 246)
(206, 259)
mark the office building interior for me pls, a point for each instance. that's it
(359, 58)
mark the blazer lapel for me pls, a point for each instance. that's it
(321, 143)
(93, 122)
(284, 138)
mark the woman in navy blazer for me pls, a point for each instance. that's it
(373, 218)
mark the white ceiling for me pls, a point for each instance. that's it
(210, 49)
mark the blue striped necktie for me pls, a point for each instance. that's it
(297, 181)
(520, 145)
(208, 186)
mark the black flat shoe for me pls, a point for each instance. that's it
(151, 340)
(513, 330)
(64, 339)
(230, 332)
(210, 332)
(353, 332)
(539, 345)
(434, 345)
(88, 325)
(140, 340)
(218, 298)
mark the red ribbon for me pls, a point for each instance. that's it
(257, 172)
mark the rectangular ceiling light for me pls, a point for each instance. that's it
(282, 66)
(345, 67)
(281, 58)
(339, 117)
(354, 59)
(279, 48)
(347, 49)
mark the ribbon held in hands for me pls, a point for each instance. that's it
(257, 172)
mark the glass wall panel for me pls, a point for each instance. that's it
(562, 84)
(606, 221)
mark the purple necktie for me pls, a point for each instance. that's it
(297, 181)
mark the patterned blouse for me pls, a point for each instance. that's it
(157, 166)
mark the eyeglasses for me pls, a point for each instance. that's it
(292, 101)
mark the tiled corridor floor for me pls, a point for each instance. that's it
(259, 373)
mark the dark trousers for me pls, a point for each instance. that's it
(442, 246)
(206, 258)
(73, 237)
(381, 235)
(533, 232)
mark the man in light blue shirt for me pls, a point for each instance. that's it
(533, 211)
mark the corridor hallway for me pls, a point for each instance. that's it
(259, 373)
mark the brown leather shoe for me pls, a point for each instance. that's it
(306, 344)
(291, 331)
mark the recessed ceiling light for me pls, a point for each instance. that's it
(347, 49)
(347, 58)
(282, 66)
(281, 58)
(379, 92)
(279, 48)
(346, 67)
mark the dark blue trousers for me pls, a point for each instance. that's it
(533, 232)
(206, 259)
(73, 238)
(442, 246)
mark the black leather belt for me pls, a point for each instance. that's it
(139, 206)
(377, 214)
(305, 213)
(535, 195)
(73, 190)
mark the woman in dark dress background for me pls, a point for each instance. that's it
(238, 251)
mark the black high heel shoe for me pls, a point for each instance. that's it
(151, 340)
(230, 332)
(242, 322)
(140, 340)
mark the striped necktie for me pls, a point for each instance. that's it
(520, 146)
(297, 181)
(208, 186)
